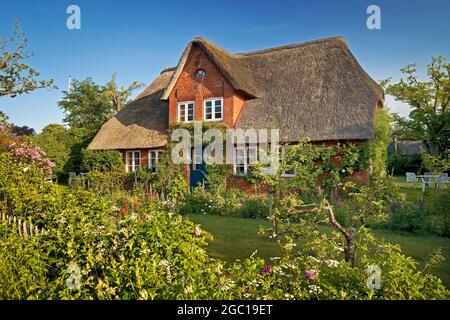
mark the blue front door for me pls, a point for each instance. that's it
(197, 171)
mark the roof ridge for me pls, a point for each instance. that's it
(168, 69)
(293, 46)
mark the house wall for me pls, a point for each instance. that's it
(214, 85)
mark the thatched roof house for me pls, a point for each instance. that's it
(315, 89)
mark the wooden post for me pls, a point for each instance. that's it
(20, 227)
(25, 231)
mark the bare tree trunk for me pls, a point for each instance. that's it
(349, 235)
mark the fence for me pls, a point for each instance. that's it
(26, 228)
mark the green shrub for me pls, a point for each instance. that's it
(410, 220)
(437, 205)
(198, 202)
(254, 207)
(399, 165)
(104, 161)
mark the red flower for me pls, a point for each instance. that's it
(267, 268)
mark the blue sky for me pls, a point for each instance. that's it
(137, 39)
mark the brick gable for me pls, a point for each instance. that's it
(189, 88)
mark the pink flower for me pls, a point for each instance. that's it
(146, 217)
(198, 231)
(267, 268)
(309, 275)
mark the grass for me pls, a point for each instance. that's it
(237, 238)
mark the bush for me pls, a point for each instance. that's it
(437, 204)
(410, 220)
(198, 202)
(102, 161)
(399, 165)
(255, 207)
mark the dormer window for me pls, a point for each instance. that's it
(200, 74)
(213, 109)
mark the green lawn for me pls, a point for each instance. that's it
(237, 238)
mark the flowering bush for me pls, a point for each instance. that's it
(35, 156)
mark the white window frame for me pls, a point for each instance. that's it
(213, 109)
(247, 165)
(133, 163)
(283, 159)
(185, 105)
(157, 157)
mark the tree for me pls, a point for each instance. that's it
(88, 105)
(23, 131)
(429, 119)
(56, 141)
(119, 97)
(17, 77)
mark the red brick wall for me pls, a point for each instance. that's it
(214, 85)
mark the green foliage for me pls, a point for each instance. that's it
(254, 207)
(378, 147)
(429, 119)
(19, 184)
(56, 141)
(436, 164)
(87, 105)
(143, 251)
(410, 220)
(102, 161)
(177, 188)
(17, 77)
(437, 204)
(398, 165)
(216, 177)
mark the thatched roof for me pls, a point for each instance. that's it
(141, 124)
(315, 89)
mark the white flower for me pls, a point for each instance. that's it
(332, 263)
(314, 289)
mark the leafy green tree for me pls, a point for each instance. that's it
(87, 106)
(17, 77)
(56, 141)
(429, 119)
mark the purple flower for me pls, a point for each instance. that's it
(394, 207)
(266, 268)
(309, 275)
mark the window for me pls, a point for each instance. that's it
(213, 109)
(186, 111)
(153, 158)
(196, 158)
(133, 161)
(287, 172)
(200, 74)
(244, 158)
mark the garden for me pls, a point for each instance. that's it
(320, 234)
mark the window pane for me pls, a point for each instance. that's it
(208, 103)
(252, 155)
(218, 102)
(218, 115)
